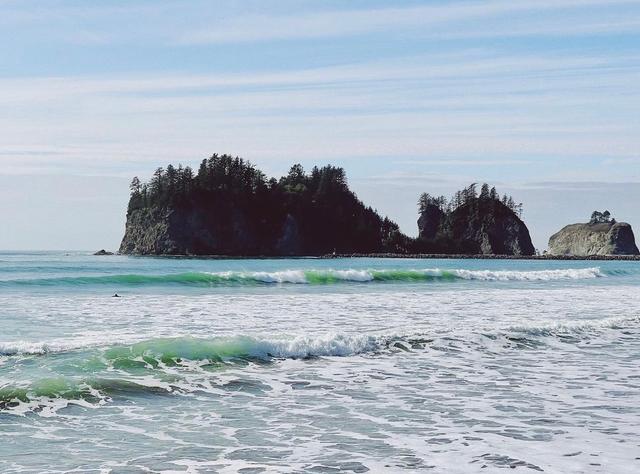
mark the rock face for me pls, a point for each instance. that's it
(193, 231)
(605, 238)
(196, 230)
(480, 226)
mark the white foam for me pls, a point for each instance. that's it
(536, 275)
(332, 344)
(576, 326)
(302, 276)
(18, 348)
(285, 276)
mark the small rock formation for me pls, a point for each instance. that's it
(472, 225)
(600, 236)
(103, 252)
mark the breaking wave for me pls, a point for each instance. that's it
(164, 365)
(227, 348)
(144, 368)
(313, 277)
(216, 349)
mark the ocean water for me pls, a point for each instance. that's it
(307, 365)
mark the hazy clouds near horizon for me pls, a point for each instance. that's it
(537, 97)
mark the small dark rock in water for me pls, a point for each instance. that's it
(103, 252)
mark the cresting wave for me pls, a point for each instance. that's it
(313, 277)
(149, 367)
(216, 348)
(225, 348)
(142, 367)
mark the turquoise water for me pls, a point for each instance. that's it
(298, 365)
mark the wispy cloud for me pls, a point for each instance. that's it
(458, 162)
(581, 185)
(475, 106)
(432, 20)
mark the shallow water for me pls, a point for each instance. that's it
(308, 365)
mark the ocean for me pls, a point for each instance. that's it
(312, 365)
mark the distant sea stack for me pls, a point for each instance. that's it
(103, 252)
(229, 208)
(472, 223)
(602, 235)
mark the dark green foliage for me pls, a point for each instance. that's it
(229, 207)
(466, 196)
(598, 217)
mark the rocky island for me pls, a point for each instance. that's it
(472, 223)
(602, 235)
(230, 208)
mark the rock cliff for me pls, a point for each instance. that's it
(600, 238)
(481, 226)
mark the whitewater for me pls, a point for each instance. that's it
(312, 365)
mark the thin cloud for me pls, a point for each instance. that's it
(338, 23)
(458, 162)
(579, 185)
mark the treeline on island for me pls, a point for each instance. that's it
(468, 195)
(229, 207)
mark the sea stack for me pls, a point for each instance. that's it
(472, 224)
(602, 235)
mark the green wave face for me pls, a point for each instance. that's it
(414, 275)
(147, 367)
(46, 388)
(113, 371)
(171, 350)
(46, 391)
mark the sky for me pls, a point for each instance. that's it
(540, 98)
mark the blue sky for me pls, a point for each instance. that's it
(540, 98)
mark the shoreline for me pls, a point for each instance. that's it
(427, 256)
(424, 256)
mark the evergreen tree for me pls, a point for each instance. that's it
(135, 186)
(423, 202)
(484, 191)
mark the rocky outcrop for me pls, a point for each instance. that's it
(103, 252)
(478, 227)
(603, 238)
